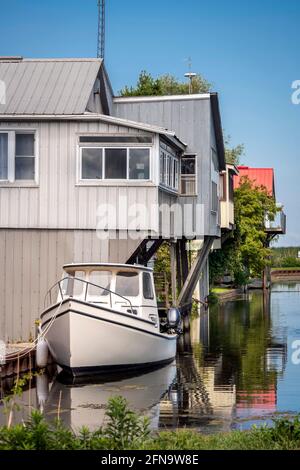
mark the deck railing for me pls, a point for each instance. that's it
(64, 289)
(278, 225)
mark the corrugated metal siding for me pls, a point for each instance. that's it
(57, 202)
(31, 262)
(259, 176)
(48, 87)
(191, 121)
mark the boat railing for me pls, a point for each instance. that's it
(68, 293)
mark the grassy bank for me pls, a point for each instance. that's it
(296, 268)
(125, 430)
(221, 290)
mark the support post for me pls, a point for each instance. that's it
(173, 272)
(185, 296)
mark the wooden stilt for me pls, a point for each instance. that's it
(173, 272)
(186, 293)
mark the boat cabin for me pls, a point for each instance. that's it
(123, 288)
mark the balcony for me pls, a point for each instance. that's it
(278, 225)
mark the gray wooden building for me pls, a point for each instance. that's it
(86, 177)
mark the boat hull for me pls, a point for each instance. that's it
(84, 339)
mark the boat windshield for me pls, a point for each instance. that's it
(102, 279)
(127, 284)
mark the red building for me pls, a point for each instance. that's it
(260, 176)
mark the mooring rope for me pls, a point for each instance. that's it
(25, 351)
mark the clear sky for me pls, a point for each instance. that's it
(249, 50)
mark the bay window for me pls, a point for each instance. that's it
(169, 167)
(114, 163)
(17, 156)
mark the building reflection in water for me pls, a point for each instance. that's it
(228, 366)
(227, 369)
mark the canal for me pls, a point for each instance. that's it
(236, 367)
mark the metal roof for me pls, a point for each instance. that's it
(107, 265)
(260, 176)
(47, 86)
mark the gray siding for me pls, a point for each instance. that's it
(191, 121)
(31, 262)
(57, 202)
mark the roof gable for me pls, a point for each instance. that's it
(47, 86)
(260, 176)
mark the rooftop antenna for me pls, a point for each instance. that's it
(101, 29)
(190, 75)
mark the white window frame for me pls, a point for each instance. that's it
(12, 157)
(195, 156)
(168, 159)
(104, 180)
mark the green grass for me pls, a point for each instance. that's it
(221, 290)
(125, 430)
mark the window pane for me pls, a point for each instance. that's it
(101, 279)
(3, 156)
(115, 163)
(188, 166)
(215, 200)
(25, 145)
(170, 171)
(139, 164)
(91, 164)
(161, 167)
(24, 168)
(147, 287)
(78, 286)
(127, 284)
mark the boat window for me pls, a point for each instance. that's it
(127, 284)
(78, 285)
(101, 279)
(147, 287)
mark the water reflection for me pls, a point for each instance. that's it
(234, 369)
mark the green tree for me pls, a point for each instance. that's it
(233, 154)
(166, 84)
(246, 254)
(251, 206)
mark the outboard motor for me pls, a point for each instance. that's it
(174, 319)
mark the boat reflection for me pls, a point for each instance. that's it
(83, 403)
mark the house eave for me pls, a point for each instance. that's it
(91, 117)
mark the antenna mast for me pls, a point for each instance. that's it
(101, 29)
(190, 75)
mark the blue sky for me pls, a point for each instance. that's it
(247, 49)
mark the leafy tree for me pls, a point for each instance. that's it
(166, 84)
(233, 154)
(246, 254)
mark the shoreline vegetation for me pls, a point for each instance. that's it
(126, 430)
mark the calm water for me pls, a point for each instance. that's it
(234, 369)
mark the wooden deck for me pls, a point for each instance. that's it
(19, 359)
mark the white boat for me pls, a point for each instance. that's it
(104, 317)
